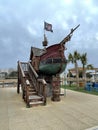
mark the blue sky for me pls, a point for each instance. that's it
(21, 26)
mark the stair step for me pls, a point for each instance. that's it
(32, 93)
(35, 97)
(30, 89)
(36, 103)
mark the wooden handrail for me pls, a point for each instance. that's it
(42, 89)
(43, 81)
(21, 77)
(20, 67)
(35, 74)
(38, 84)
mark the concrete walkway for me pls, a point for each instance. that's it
(75, 111)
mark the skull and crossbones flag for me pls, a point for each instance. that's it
(48, 27)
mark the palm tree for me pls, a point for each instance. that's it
(73, 58)
(83, 59)
(90, 67)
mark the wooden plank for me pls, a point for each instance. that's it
(34, 97)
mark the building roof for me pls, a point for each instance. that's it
(36, 52)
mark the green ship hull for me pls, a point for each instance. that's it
(52, 69)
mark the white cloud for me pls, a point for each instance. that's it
(21, 26)
(96, 36)
(31, 31)
(88, 19)
(67, 2)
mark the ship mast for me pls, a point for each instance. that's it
(45, 42)
(47, 27)
(68, 37)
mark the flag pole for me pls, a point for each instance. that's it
(45, 42)
(44, 30)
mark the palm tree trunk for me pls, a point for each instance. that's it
(84, 76)
(77, 75)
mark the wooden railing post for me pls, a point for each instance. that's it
(42, 89)
(18, 83)
(45, 99)
(21, 79)
(27, 94)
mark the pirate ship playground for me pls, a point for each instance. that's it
(40, 77)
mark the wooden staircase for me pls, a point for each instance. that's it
(33, 88)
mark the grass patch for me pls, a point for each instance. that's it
(81, 89)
